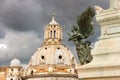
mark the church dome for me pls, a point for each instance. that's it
(15, 62)
(52, 54)
(52, 57)
(52, 51)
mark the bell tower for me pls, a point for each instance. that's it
(52, 32)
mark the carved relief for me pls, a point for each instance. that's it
(115, 4)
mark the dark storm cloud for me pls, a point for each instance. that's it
(2, 34)
(25, 15)
(20, 45)
(67, 10)
(20, 15)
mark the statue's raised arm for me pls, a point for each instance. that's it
(83, 30)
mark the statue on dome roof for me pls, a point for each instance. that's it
(80, 33)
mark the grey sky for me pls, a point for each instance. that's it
(22, 23)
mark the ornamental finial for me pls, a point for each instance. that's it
(53, 15)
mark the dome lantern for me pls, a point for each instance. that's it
(53, 32)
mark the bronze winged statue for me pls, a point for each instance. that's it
(81, 32)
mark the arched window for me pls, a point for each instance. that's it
(51, 34)
(54, 34)
(32, 72)
(18, 69)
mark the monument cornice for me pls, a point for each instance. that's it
(108, 17)
(51, 75)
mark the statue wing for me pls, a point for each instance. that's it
(84, 22)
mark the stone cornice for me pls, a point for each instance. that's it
(51, 75)
(54, 67)
(15, 67)
(51, 65)
(107, 17)
(99, 72)
(88, 67)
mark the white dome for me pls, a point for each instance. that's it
(52, 54)
(52, 57)
(15, 62)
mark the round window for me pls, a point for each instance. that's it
(12, 69)
(60, 57)
(58, 48)
(42, 57)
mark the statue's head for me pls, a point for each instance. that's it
(91, 11)
(88, 43)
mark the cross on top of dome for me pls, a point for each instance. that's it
(53, 19)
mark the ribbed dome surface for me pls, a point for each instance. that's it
(15, 62)
(52, 54)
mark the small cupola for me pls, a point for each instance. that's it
(53, 32)
(15, 62)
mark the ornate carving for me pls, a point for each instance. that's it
(115, 4)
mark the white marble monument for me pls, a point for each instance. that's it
(106, 54)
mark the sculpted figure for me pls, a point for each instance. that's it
(80, 33)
